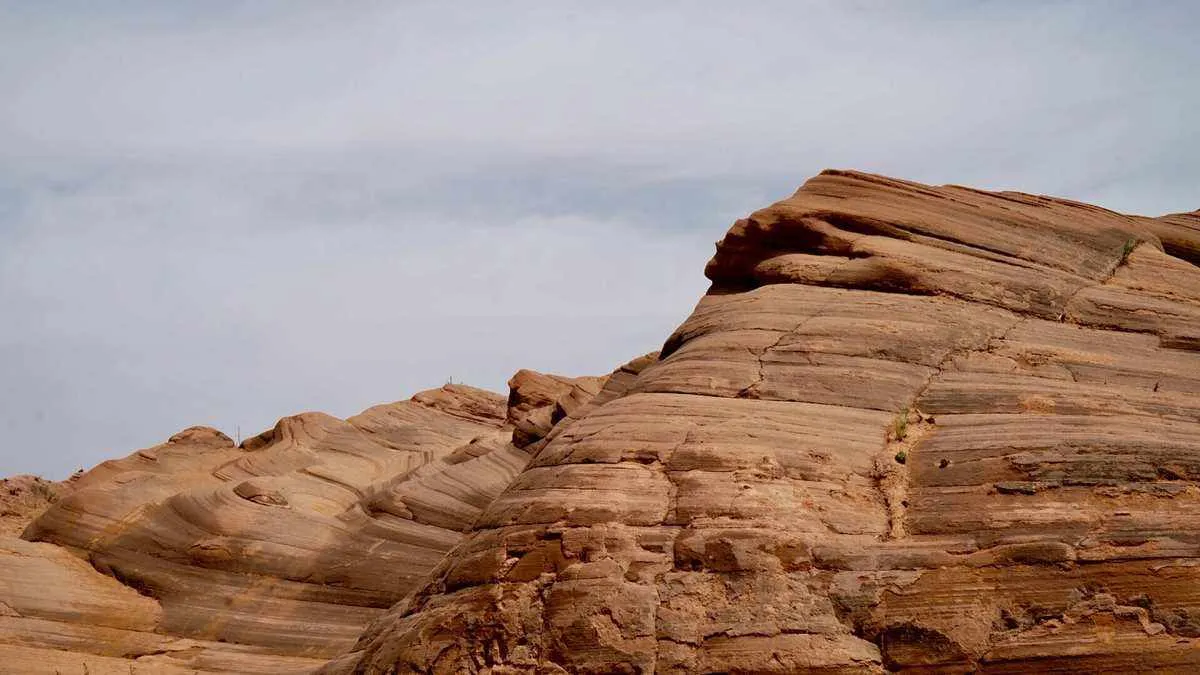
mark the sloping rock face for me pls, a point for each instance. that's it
(23, 497)
(909, 428)
(537, 402)
(198, 555)
(1178, 235)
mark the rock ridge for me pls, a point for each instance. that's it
(909, 428)
(269, 557)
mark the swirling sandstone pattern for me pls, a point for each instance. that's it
(269, 557)
(909, 428)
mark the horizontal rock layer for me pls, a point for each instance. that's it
(909, 428)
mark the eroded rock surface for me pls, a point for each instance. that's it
(266, 558)
(537, 402)
(24, 497)
(909, 428)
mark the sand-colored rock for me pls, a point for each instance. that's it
(59, 615)
(269, 557)
(22, 498)
(909, 429)
(537, 402)
(236, 541)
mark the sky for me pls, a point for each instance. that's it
(222, 213)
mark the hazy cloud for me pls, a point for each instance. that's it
(225, 212)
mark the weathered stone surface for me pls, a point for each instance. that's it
(59, 615)
(909, 428)
(24, 497)
(1179, 234)
(537, 402)
(283, 525)
(269, 557)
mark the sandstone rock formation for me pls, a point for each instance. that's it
(24, 497)
(537, 402)
(270, 557)
(908, 429)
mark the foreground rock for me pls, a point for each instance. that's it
(909, 429)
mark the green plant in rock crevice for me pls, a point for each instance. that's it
(1130, 244)
(900, 426)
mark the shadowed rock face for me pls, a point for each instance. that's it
(909, 428)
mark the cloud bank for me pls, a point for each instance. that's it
(221, 213)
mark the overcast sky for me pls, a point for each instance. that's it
(222, 213)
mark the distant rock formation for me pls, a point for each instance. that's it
(265, 558)
(908, 429)
(24, 497)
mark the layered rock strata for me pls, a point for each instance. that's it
(909, 429)
(23, 497)
(265, 558)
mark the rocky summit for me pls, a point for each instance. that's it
(908, 429)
